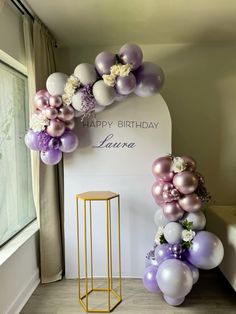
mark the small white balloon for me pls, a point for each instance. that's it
(173, 232)
(197, 218)
(55, 83)
(160, 219)
(104, 94)
(77, 101)
(86, 73)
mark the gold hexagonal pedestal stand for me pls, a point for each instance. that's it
(90, 197)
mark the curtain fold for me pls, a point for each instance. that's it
(48, 180)
(2, 2)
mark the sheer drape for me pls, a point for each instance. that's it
(48, 179)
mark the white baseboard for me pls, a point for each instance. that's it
(22, 298)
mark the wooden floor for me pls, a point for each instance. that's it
(212, 294)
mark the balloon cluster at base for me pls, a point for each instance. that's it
(88, 91)
(181, 245)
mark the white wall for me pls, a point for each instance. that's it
(200, 93)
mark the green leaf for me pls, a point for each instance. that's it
(188, 225)
(162, 239)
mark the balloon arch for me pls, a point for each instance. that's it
(181, 247)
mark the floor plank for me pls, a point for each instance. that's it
(212, 294)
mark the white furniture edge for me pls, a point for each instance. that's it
(5, 58)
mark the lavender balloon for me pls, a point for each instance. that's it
(191, 202)
(162, 252)
(206, 252)
(125, 85)
(51, 157)
(194, 270)
(161, 168)
(69, 142)
(104, 61)
(172, 301)
(185, 182)
(132, 54)
(31, 140)
(149, 79)
(149, 279)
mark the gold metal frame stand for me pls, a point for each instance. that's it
(90, 197)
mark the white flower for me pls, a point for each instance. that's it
(38, 122)
(178, 164)
(188, 235)
(72, 84)
(74, 81)
(66, 99)
(125, 69)
(115, 69)
(158, 235)
(109, 79)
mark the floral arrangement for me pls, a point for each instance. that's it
(89, 90)
(181, 245)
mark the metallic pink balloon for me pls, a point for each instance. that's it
(66, 113)
(157, 190)
(191, 203)
(173, 211)
(191, 163)
(56, 128)
(41, 102)
(70, 124)
(42, 93)
(55, 101)
(161, 168)
(185, 182)
(51, 113)
(168, 186)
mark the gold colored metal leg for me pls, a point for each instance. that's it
(78, 245)
(119, 250)
(85, 256)
(91, 244)
(108, 257)
(110, 240)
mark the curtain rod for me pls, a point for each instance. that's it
(22, 8)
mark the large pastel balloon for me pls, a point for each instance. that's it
(162, 252)
(55, 101)
(190, 203)
(161, 168)
(125, 85)
(56, 128)
(51, 113)
(86, 73)
(149, 279)
(55, 83)
(31, 140)
(174, 278)
(160, 219)
(69, 142)
(51, 157)
(149, 79)
(191, 163)
(172, 301)
(206, 252)
(66, 113)
(157, 190)
(185, 182)
(104, 61)
(104, 94)
(173, 232)
(173, 211)
(132, 54)
(198, 219)
(194, 270)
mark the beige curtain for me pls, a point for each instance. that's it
(47, 180)
(2, 2)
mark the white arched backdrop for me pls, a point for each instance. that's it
(144, 124)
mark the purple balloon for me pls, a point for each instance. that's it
(206, 252)
(104, 61)
(149, 79)
(194, 270)
(31, 140)
(149, 279)
(172, 301)
(69, 142)
(132, 54)
(51, 157)
(162, 252)
(125, 85)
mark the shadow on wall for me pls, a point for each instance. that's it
(201, 95)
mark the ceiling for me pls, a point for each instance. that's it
(113, 22)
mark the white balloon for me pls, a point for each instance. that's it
(99, 108)
(197, 218)
(86, 73)
(55, 83)
(77, 101)
(160, 219)
(173, 232)
(104, 94)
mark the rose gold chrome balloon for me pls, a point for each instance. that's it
(51, 113)
(191, 203)
(173, 211)
(66, 113)
(70, 124)
(55, 101)
(161, 168)
(56, 128)
(185, 182)
(157, 190)
(191, 163)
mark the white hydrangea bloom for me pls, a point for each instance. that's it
(72, 84)
(178, 164)
(158, 235)
(188, 235)
(115, 69)
(125, 69)
(109, 79)
(38, 122)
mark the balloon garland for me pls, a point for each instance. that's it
(88, 91)
(181, 246)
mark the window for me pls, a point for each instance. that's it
(16, 200)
